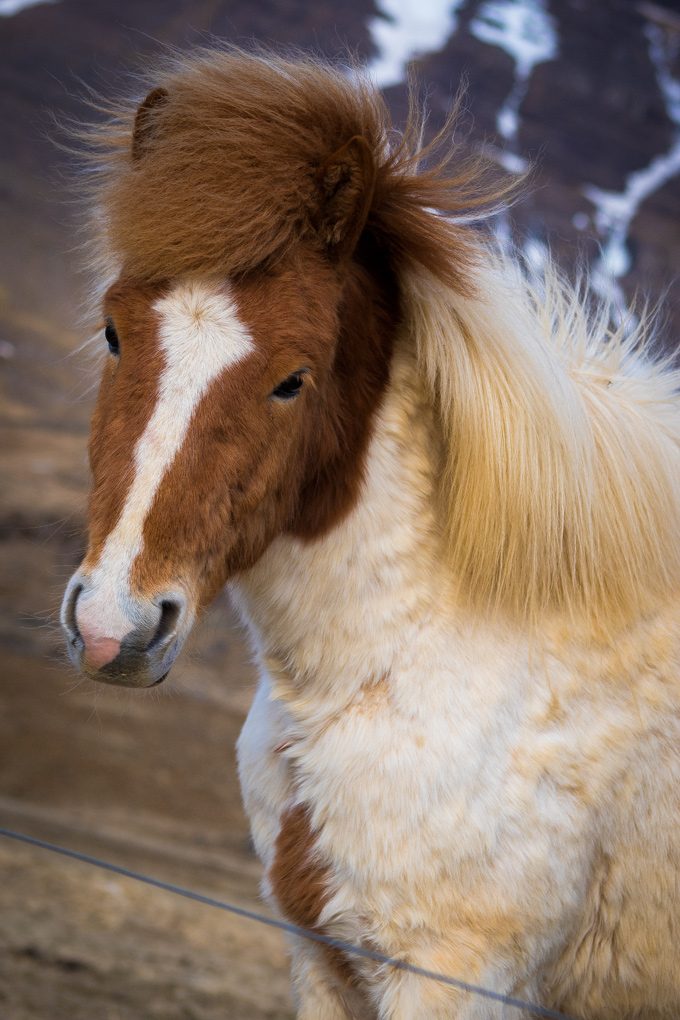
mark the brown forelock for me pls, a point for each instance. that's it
(252, 468)
(127, 396)
(299, 881)
(228, 173)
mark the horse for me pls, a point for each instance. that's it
(444, 494)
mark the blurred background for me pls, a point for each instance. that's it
(587, 92)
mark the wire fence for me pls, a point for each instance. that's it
(530, 1008)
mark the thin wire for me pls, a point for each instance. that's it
(293, 929)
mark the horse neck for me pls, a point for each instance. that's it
(329, 617)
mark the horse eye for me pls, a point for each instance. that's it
(289, 388)
(112, 337)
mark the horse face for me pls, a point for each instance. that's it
(215, 411)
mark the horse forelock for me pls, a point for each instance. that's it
(225, 177)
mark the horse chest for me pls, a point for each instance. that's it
(372, 802)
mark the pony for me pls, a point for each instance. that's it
(445, 497)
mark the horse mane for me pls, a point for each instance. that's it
(225, 175)
(560, 488)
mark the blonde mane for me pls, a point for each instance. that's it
(561, 482)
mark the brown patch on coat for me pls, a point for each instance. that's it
(275, 467)
(223, 168)
(299, 881)
(375, 693)
(298, 878)
(206, 524)
(125, 403)
(368, 315)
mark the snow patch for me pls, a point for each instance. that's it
(662, 53)
(507, 119)
(522, 28)
(510, 161)
(525, 30)
(10, 7)
(615, 210)
(536, 255)
(503, 232)
(406, 29)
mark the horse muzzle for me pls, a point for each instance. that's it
(118, 638)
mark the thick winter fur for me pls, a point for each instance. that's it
(497, 805)
(456, 549)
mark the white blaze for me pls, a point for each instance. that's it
(200, 335)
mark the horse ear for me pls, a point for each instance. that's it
(347, 183)
(146, 121)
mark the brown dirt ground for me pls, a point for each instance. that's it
(144, 781)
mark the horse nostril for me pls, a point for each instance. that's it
(69, 616)
(171, 610)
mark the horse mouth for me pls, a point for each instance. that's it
(126, 678)
(134, 669)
